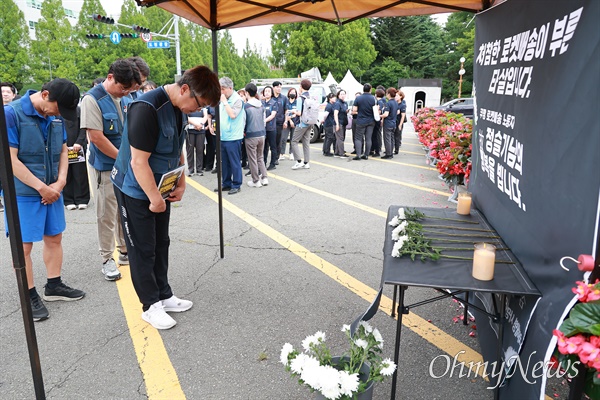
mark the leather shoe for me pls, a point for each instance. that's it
(387, 156)
(364, 158)
(234, 191)
(223, 189)
(357, 158)
(248, 173)
(271, 167)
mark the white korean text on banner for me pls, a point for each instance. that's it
(536, 152)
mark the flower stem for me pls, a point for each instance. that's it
(460, 235)
(464, 258)
(457, 228)
(466, 248)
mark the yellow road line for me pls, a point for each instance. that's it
(389, 161)
(159, 375)
(420, 326)
(381, 178)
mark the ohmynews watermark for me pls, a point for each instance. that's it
(450, 367)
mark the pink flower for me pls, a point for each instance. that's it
(574, 344)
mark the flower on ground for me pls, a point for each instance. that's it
(361, 343)
(366, 325)
(378, 337)
(313, 340)
(330, 382)
(285, 352)
(395, 221)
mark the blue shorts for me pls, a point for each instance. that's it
(38, 220)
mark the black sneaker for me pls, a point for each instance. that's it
(39, 310)
(62, 292)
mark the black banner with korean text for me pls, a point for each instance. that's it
(536, 150)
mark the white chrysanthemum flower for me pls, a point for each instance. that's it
(303, 361)
(345, 328)
(311, 375)
(310, 340)
(394, 221)
(378, 337)
(401, 215)
(330, 382)
(361, 343)
(348, 383)
(285, 352)
(319, 336)
(396, 250)
(387, 367)
(366, 325)
(399, 231)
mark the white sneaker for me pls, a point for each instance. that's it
(71, 207)
(298, 165)
(281, 157)
(264, 181)
(175, 304)
(82, 206)
(306, 166)
(252, 184)
(291, 157)
(110, 270)
(157, 317)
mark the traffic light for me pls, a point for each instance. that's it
(129, 35)
(140, 29)
(103, 19)
(94, 36)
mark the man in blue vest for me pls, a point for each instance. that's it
(103, 110)
(152, 148)
(233, 120)
(38, 152)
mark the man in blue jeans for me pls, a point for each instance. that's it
(232, 121)
(38, 152)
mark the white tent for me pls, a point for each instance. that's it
(350, 85)
(330, 80)
(313, 74)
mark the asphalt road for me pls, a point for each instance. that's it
(301, 255)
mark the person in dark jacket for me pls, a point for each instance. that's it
(77, 189)
(39, 159)
(152, 148)
(255, 137)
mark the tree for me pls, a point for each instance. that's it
(301, 46)
(93, 56)
(258, 67)
(388, 73)
(459, 41)
(14, 45)
(53, 47)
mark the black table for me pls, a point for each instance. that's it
(449, 276)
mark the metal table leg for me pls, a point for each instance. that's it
(398, 335)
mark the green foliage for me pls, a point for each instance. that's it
(93, 57)
(14, 44)
(53, 49)
(387, 73)
(302, 46)
(459, 41)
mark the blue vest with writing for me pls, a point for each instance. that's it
(40, 156)
(165, 156)
(111, 126)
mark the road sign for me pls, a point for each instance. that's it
(115, 37)
(146, 37)
(159, 44)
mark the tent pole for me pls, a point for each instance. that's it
(18, 257)
(218, 144)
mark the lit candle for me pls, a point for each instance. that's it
(464, 203)
(483, 261)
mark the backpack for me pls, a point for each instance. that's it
(310, 111)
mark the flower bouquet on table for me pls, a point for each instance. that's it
(579, 336)
(344, 377)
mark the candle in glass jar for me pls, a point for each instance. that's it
(464, 203)
(484, 258)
